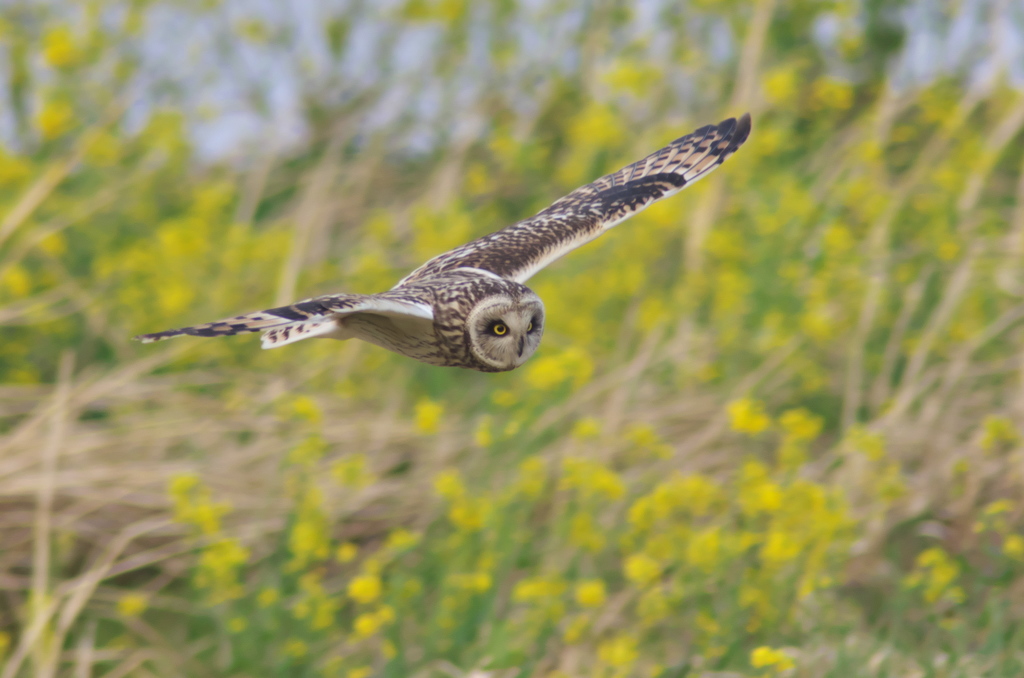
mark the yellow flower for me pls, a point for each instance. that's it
(935, 573)
(59, 49)
(238, 624)
(998, 430)
(590, 593)
(537, 589)
(653, 606)
(533, 476)
(478, 582)
(401, 539)
(871, 444)
(302, 407)
(641, 569)
(428, 415)
(346, 553)
(575, 629)
(295, 648)
(482, 436)
(584, 534)
(359, 672)
(704, 549)
(365, 588)
(800, 424)
(366, 625)
(218, 569)
(828, 93)
(132, 604)
(948, 250)
(767, 657)
(352, 471)
(619, 651)
(369, 623)
(551, 371)
(1013, 546)
(782, 85)
(591, 479)
(308, 452)
(747, 416)
(268, 597)
(470, 514)
(55, 118)
(629, 75)
(449, 485)
(586, 429)
(780, 547)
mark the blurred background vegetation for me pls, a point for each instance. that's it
(773, 428)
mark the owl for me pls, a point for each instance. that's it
(470, 307)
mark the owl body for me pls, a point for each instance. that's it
(469, 307)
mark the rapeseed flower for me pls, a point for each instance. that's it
(781, 86)
(587, 428)
(295, 648)
(132, 604)
(641, 569)
(997, 431)
(590, 479)
(470, 514)
(308, 452)
(449, 485)
(1013, 546)
(620, 651)
(591, 593)
(60, 49)
(765, 657)
(268, 597)
(352, 471)
(536, 589)
(575, 629)
(584, 534)
(218, 570)
(799, 424)
(747, 416)
(365, 588)
(653, 606)
(401, 539)
(483, 435)
(428, 414)
(532, 477)
(935, 574)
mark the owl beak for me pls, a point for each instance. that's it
(522, 342)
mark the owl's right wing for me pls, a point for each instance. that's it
(306, 319)
(522, 249)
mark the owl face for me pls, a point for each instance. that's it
(505, 331)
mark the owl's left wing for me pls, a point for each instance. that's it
(306, 319)
(522, 249)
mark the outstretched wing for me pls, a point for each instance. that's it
(522, 249)
(305, 319)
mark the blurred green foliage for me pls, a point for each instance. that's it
(772, 429)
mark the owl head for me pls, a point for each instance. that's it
(505, 328)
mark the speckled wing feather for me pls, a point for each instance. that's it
(522, 249)
(305, 319)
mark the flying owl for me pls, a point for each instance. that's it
(469, 307)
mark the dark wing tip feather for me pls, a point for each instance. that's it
(157, 336)
(742, 131)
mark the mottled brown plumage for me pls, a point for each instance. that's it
(468, 307)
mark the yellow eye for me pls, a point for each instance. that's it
(529, 328)
(499, 329)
